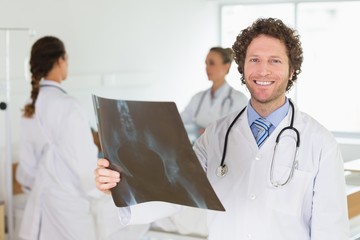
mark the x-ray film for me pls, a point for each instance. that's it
(147, 143)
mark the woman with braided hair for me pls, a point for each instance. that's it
(57, 153)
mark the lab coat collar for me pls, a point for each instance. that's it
(54, 84)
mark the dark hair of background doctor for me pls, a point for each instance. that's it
(226, 54)
(44, 54)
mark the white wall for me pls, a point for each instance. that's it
(156, 49)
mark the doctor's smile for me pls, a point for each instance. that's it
(263, 83)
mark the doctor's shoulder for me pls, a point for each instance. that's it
(66, 106)
(72, 101)
(315, 132)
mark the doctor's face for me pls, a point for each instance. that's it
(216, 69)
(266, 71)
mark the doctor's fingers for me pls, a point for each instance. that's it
(105, 188)
(103, 163)
(105, 183)
(107, 173)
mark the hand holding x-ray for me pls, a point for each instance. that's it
(105, 178)
(146, 143)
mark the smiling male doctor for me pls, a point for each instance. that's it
(312, 204)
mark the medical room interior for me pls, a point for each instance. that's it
(155, 51)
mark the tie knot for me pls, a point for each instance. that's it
(262, 123)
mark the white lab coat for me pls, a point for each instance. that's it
(30, 152)
(311, 206)
(57, 160)
(202, 109)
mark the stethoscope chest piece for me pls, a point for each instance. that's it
(221, 170)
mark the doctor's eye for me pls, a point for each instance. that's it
(210, 63)
(275, 60)
(254, 60)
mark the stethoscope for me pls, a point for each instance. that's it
(222, 169)
(48, 85)
(228, 98)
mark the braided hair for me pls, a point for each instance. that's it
(44, 54)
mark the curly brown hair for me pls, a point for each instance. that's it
(44, 54)
(274, 28)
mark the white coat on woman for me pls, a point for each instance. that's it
(205, 107)
(312, 206)
(57, 157)
(57, 142)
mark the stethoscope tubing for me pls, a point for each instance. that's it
(53, 86)
(222, 164)
(222, 169)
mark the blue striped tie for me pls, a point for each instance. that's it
(263, 127)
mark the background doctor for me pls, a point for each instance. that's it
(57, 153)
(312, 205)
(221, 99)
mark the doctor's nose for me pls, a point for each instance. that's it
(264, 69)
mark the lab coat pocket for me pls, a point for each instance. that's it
(288, 199)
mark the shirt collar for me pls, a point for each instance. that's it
(275, 117)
